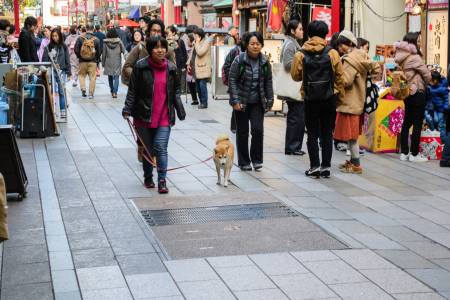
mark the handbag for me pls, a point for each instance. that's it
(371, 103)
(284, 85)
(179, 108)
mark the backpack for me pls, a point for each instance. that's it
(371, 103)
(87, 51)
(227, 64)
(318, 76)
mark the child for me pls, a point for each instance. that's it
(437, 104)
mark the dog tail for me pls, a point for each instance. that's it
(222, 137)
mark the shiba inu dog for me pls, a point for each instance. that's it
(223, 158)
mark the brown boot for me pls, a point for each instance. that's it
(344, 165)
(352, 169)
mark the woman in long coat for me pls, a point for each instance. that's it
(113, 49)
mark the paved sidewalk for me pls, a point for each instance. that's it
(78, 236)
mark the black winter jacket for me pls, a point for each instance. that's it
(240, 80)
(27, 47)
(139, 100)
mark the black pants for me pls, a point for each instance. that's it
(295, 126)
(254, 113)
(193, 91)
(414, 115)
(319, 121)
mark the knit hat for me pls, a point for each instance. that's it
(350, 36)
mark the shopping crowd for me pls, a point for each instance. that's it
(153, 60)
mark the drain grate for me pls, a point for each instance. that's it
(201, 215)
(208, 121)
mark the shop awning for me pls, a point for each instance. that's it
(134, 13)
(223, 3)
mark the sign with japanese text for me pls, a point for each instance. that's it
(437, 39)
(433, 4)
(321, 13)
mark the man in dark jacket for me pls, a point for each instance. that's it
(27, 41)
(122, 35)
(88, 56)
(100, 36)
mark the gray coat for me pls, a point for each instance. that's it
(112, 56)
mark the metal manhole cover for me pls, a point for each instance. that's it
(208, 121)
(201, 215)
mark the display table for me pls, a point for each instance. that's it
(381, 128)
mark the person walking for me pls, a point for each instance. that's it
(190, 77)
(232, 37)
(27, 44)
(70, 42)
(251, 95)
(144, 22)
(59, 53)
(100, 36)
(350, 109)
(295, 121)
(87, 49)
(320, 69)
(137, 40)
(112, 59)
(154, 112)
(409, 57)
(178, 46)
(46, 32)
(202, 65)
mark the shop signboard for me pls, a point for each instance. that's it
(437, 38)
(322, 13)
(209, 21)
(437, 4)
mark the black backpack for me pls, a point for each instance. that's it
(318, 76)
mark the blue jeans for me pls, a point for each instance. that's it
(436, 120)
(156, 141)
(202, 90)
(62, 97)
(113, 83)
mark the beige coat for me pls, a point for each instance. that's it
(357, 65)
(316, 44)
(203, 59)
(3, 211)
(416, 72)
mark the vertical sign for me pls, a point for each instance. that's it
(320, 13)
(437, 38)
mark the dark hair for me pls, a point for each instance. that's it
(244, 41)
(60, 40)
(412, 38)
(146, 19)
(173, 29)
(112, 33)
(83, 29)
(249, 36)
(200, 32)
(292, 25)
(317, 28)
(97, 27)
(436, 75)
(190, 29)
(362, 42)
(4, 24)
(140, 32)
(46, 27)
(157, 22)
(153, 41)
(342, 40)
(89, 27)
(29, 21)
(73, 29)
(191, 37)
(12, 29)
(333, 40)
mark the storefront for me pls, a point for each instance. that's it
(437, 34)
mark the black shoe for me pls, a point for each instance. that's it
(246, 168)
(313, 172)
(257, 166)
(297, 152)
(162, 187)
(325, 172)
(148, 183)
(444, 164)
(194, 103)
(202, 106)
(83, 94)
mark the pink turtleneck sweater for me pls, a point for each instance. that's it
(160, 110)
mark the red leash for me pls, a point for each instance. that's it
(147, 156)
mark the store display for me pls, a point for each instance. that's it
(430, 144)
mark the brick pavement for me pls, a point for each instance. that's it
(77, 236)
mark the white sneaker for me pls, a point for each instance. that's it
(418, 158)
(404, 157)
(348, 153)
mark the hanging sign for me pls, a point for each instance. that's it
(321, 13)
(435, 4)
(437, 38)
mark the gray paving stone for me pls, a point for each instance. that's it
(309, 202)
(268, 294)
(152, 285)
(57, 243)
(303, 286)
(406, 259)
(83, 225)
(87, 240)
(100, 278)
(230, 261)
(60, 260)
(64, 281)
(244, 278)
(377, 241)
(374, 219)
(400, 234)
(207, 290)
(418, 296)
(25, 237)
(334, 271)
(438, 279)
(90, 258)
(190, 270)
(395, 281)
(140, 264)
(54, 228)
(71, 214)
(428, 249)
(25, 254)
(278, 264)
(131, 246)
(356, 291)
(328, 214)
(363, 259)
(321, 255)
(25, 274)
(21, 220)
(116, 294)
(41, 291)
(67, 295)
(443, 263)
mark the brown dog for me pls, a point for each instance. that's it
(223, 158)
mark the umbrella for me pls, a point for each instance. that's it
(126, 23)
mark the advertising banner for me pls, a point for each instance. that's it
(321, 13)
(437, 38)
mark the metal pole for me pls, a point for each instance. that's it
(16, 16)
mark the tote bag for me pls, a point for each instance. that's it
(283, 84)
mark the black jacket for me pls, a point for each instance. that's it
(62, 57)
(101, 36)
(240, 80)
(27, 47)
(139, 100)
(78, 44)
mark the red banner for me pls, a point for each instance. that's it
(323, 14)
